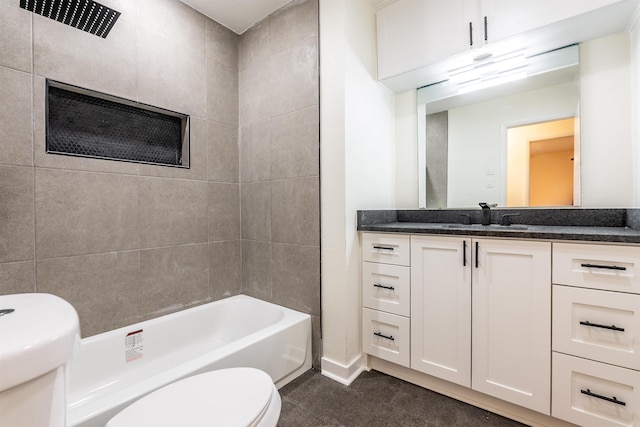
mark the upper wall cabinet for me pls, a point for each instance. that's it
(415, 33)
(415, 37)
(501, 19)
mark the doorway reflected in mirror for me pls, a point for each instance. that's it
(542, 164)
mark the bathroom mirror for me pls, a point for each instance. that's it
(508, 143)
(459, 165)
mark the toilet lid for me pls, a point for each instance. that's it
(227, 397)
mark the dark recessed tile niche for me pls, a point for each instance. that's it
(84, 123)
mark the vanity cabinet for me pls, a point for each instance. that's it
(596, 334)
(481, 315)
(480, 311)
(412, 34)
(385, 297)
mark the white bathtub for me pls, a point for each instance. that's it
(239, 331)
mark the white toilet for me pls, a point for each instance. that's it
(39, 334)
(225, 398)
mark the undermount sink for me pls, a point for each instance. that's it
(38, 332)
(499, 227)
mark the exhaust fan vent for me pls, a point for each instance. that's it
(85, 15)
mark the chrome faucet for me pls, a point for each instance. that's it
(486, 212)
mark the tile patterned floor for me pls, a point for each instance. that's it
(375, 400)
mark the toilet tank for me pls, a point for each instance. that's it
(39, 334)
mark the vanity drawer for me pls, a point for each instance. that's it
(598, 325)
(613, 268)
(386, 336)
(386, 248)
(584, 390)
(386, 287)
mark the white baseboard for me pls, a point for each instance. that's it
(344, 374)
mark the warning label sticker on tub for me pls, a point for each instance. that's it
(133, 348)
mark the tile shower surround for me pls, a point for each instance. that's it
(126, 242)
(279, 161)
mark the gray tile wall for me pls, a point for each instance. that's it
(122, 242)
(437, 147)
(125, 242)
(279, 160)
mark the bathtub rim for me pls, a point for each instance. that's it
(83, 409)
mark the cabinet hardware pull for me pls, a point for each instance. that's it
(470, 33)
(599, 396)
(464, 253)
(389, 337)
(476, 254)
(485, 29)
(606, 267)
(595, 325)
(386, 248)
(391, 288)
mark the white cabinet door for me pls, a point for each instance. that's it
(441, 307)
(511, 344)
(506, 18)
(416, 33)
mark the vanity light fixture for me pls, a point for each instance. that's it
(493, 68)
(489, 70)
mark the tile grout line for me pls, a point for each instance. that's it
(33, 160)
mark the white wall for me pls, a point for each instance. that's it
(357, 169)
(406, 137)
(606, 148)
(635, 106)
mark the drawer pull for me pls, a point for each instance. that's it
(391, 288)
(595, 325)
(599, 396)
(606, 267)
(386, 248)
(388, 337)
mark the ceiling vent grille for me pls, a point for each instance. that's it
(85, 15)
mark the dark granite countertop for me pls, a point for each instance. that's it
(596, 225)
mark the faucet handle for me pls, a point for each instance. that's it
(505, 218)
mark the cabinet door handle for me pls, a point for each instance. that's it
(486, 34)
(387, 337)
(470, 33)
(476, 254)
(377, 285)
(599, 396)
(606, 267)
(386, 248)
(596, 325)
(464, 253)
